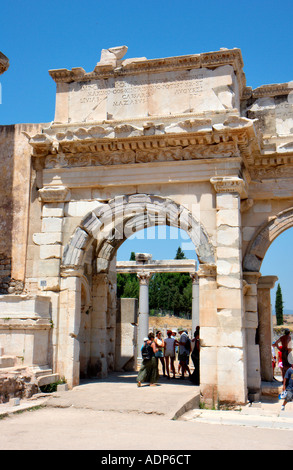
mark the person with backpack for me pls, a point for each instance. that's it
(148, 371)
(184, 351)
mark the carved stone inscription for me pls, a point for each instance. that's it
(152, 94)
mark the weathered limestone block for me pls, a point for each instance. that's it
(72, 256)
(91, 224)
(53, 210)
(48, 268)
(45, 238)
(51, 224)
(50, 251)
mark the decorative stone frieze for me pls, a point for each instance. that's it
(189, 139)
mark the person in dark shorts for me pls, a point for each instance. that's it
(288, 387)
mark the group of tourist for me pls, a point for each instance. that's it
(157, 350)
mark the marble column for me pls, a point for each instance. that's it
(250, 281)
(195, 302)
(265, 284)
(143, 319)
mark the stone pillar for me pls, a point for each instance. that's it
(68, 328)
(99, 336)
(250, 281)
(231, 355)
(265, 284)
(208, 333)
(195, 302)
(143, 321)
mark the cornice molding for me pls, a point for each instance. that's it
(187, 139)
(275, 89)
(126, 67)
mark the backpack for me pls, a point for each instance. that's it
(146, 351)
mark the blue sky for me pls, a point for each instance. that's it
(38, 36)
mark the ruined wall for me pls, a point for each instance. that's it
(7, 134)
(15, 179)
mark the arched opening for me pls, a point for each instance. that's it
(91, 253)
(173, 300)
(263, 262)
(277, 261)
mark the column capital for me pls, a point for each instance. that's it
(144, 277)
(71, 271)
(267, 282)
(207, 270)
(54, 194)
(229, 184)
(194, 278)
(251, 277)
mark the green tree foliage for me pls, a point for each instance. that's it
(180, 254)
(279, 306)
(167, 291)
(128, 284)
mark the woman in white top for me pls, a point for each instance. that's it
(170, 343)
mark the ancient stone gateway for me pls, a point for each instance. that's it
(180, 141)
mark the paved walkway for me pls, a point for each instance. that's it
(119, 392)
(114, 413)
(174, 399)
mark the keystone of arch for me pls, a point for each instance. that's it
(108, 222)
(268, 232)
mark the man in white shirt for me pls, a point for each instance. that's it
(170, 343)
(184, 351)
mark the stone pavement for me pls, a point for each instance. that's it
(119, 392)
(174, 399)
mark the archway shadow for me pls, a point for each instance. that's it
(129, 377)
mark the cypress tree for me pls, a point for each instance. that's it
(279, 306)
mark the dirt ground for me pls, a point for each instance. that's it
(169, 322)
(288, 322)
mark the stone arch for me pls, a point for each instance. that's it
(267, 233)
(112, 223)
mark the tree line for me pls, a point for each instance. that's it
(168, 292)
(172, 292)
